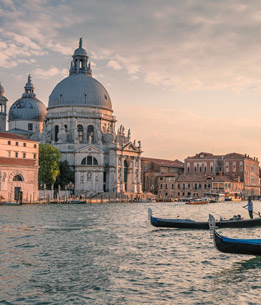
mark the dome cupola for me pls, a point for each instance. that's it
(2, 90)
(28, 107)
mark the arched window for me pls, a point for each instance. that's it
(18, 178)
(90, 132)
(56, 131)
(89, 161)
(80, 133)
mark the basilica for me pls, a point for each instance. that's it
(79, 122)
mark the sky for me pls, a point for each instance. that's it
(183, 75)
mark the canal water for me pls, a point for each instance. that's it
(110, 254)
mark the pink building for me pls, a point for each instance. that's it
(241, 170)
(18, 168)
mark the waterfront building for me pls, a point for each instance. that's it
(26, 115)
(153, 168)
(3, 112)
(236, 167)
(18, 167)
(80, 123)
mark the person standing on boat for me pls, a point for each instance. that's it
(249, 207)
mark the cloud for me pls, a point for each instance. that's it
(114, 65)
(45, 74)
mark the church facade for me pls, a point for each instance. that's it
(80, 123)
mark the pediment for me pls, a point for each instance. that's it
(89, 149)
(130, 147)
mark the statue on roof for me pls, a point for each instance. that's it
(80, 43)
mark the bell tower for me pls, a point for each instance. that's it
(3, 101)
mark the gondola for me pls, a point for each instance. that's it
(202, 225)
(234, 246)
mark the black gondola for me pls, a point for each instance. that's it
(235, 246)
(202, 225)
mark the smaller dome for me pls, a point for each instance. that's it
(80, 52)
(28, 107)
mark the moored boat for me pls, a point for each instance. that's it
(232, 245)
(235, 222)
(197, 201)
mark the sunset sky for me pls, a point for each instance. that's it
(184, 76)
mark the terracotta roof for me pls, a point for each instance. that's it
(16, 162)
(204, 156)
(234, 156)
(9, 135)
(222, 179)
(163, 162)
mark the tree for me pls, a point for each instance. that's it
(49, 158)
(65, 176)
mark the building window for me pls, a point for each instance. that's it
(205, 186)
(195, 169)
(34, 156)
(178, 186)
(9, 154)
(234, 167)
(188, 169)
(172, 186)
(24, 155)
(35, 145)
(188, 186)
(183, 186)
(16, 154)
(9, 142)
(199, 186)
(211, 169)
(241, 166)
(80, 133)
(205, 169)
(90, 133)
(18, 178)
(89, 160)
(200, 169)
(166, 186)
(16, 143)
(161, 186)
(24, 144)
(30, 126)
(56, 131)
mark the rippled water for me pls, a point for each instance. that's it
(110, 254)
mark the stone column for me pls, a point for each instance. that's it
(139, 189)
(122, 175)
(134, 176)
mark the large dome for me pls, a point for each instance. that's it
(28, 107)
(80, 90)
